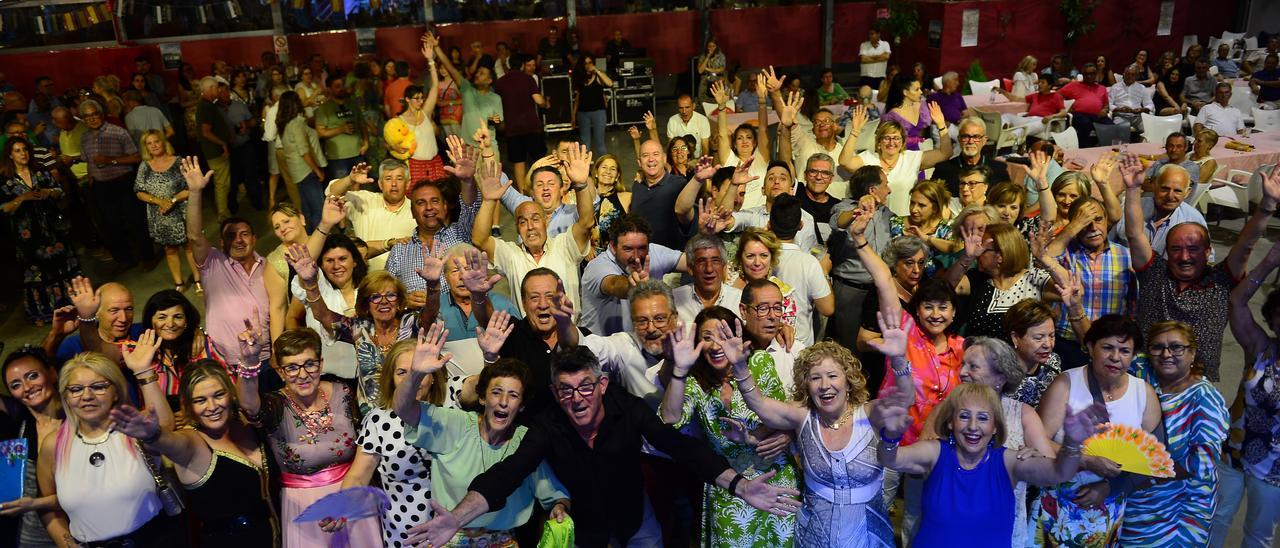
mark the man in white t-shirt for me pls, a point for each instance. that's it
(379, 218)
(874, 55)
(688, 121)
(798, 269)
(1219, 115)
(707, 259)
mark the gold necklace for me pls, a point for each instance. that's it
(836, 424)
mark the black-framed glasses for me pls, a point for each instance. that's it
(763, 310)
(819, 173)
(1177, 350)
(971, 137)
(585, 390)
(293, 369)
(658, 321)
(379, 297)
(99, 388)
(972, 183)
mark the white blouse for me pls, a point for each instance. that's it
(110, 500)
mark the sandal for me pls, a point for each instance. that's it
(199, 289)
(180, 288)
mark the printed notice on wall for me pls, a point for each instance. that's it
(969, 29)
(171, 55)
(1164, 26)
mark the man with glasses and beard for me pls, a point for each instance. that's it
(973, 139)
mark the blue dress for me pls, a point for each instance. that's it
(975, 505)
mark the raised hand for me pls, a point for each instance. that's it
(1078, 426)
(429, 43)
(1040, 168)
(360, 174)
(779, 501)
(252, 341)
(742, 174)
(427, 357)
(790, 107)
(719, 93)
(139, 425)
(893, 341)
(562, 307)
(493, 336)
(1070, 290)
(858, 120)
(335, 210)
(196, 180)
(140, 355)
(861, 218)
(489, 179)
(773, 81)
(705, 169)
(1131, 170)
(634, 132)
(464, 158)
(762, 85)
(85, 299)
(578, 165)
(64, 321)
(432, 261)
(650, 123)
(474, 269)
(974, 241)
(935, 113)
(683, 348)
(889, 413)
(300, 259)
(736, 350)
(638, 270)
(482, 138)
(1101, 170)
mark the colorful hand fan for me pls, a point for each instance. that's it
(1134, 449)
(354, 503)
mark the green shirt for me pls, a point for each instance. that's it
(476, 109)
(838, 95)
(300, 139)
(453, 438)
(332, 115)
(209, 113)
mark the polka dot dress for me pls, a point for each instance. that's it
(405, 471)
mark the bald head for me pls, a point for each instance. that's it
(1187, 249)
(63, 119)
(115, 313)
(652, 161)
(14, 100)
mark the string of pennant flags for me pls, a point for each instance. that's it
(57, 19)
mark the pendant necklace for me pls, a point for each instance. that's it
(836, 424)
(96, 458)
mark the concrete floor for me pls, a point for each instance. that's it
(15, 331)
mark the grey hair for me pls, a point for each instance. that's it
(904, 247)
(652, 288)
(1168, 169)
(457, 251)
(973, 121)
(820, 157)
(391, 164)
(706, 241)
(950, 75)
(1002, 358)
(208, 82)
(91, 103)
(970, 211)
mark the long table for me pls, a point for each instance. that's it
(1002, 105)
(1266, 151)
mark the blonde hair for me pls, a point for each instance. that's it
(99, 365)
(946, 411)
(374, 281)
(849, 364)
(936, 193)
(142, 143)
(764, 238)
(1025, 64)
(1012, 247)
(885, 127)
(387, 381)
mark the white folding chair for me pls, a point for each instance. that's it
(982, 89)
(1231, 36)
(1213, 45)
(1251, 42)
(1003, 136)
(1188, 41)
(1156, 128)
(1242, 98)
(1213, 70)
(1237, 190)
(1266, 120)
(1200, 189)
(937, 83)
(1066, 139)
(867, 139)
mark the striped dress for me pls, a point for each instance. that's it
(1178, 513)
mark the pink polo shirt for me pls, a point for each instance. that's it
(230, 296)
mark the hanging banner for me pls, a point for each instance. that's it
(365, 42)
(1164, 25)
(969, 29)
(171, 55)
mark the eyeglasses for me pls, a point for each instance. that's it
(76, 391)
(379, 297)
(972, 183)
(293, 369)
(585, 390)
(1176, 349)
(891, 139)
(90, 114)
(970, 137)
(819, 173)
(680, 149)
(658, 321)
(763, 310)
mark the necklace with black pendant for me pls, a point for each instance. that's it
(96, 458)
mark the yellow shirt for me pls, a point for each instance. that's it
(69, 142)
(373, 220)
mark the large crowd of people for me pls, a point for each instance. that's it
(745, 338)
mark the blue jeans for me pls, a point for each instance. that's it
(341, 167)
(591, 130)
(311, 191)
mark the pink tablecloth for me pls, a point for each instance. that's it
(738, 118)
(1002, 105)
(1266, 151)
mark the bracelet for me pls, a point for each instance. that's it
(486, 155)
(248, 371)
(904, 372)
(888, 441)
(314, 287)
(488, 361)
(1256, 281)
(1072, 450)
(321, 230)
(143, 381)
(733, 483)
(579, 188)
(1074, 319)
(865, 243)
(312, 301)
(679, 377)
(748, 389)
(90, 319)
(1045, 189)
(152, 438)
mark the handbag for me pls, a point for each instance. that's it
(169, 496)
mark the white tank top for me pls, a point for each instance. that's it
(425, 134)
(110, 500)
(1127, 409)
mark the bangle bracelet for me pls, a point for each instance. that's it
(748, 389)
(894, 441)
(1074, 319)
(321, 230)
(90, 319)
(865, 243)
(148, 380)
(733, 483)
(679, 377)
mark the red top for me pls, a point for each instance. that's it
(934, 375)
(1090, 98)
(1044, 104)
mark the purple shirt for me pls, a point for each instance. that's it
(952, 105)
(108, 140)
(915, 133)
(230, 296)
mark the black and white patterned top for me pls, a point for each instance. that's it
(987, 304)
(1034, 386)
(405, 471)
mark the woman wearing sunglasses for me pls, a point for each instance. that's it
(381, 315)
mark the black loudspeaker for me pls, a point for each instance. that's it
(558, 90)
(629, 106)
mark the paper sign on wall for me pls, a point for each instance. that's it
(969, 29)
(1164, 26)
(171, 55)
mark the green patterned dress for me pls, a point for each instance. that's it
(728, 520)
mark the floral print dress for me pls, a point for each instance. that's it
(728, 520)
(40, 234)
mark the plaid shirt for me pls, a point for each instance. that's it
(108, 140)
(1108, 279)
(404, 260)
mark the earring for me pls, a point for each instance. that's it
(951, 439)
(991, 443)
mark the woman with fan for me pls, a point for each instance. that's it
(1178, 511)
(220, 461)
(1085, 510)
(102, 479)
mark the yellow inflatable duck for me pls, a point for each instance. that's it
(401, 141)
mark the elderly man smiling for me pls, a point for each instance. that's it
(378, 218)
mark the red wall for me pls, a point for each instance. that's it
(783, 36)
